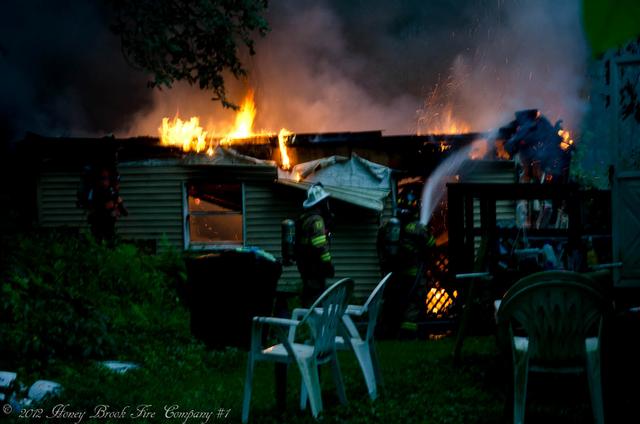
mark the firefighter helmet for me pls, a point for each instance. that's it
(315, 194)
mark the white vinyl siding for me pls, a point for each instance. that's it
(57, 196)
(154, 196)
(152, 192)
(353, 245)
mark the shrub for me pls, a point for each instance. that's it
(67, 297)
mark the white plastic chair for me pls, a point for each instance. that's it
(554, 321)
(323, 326)
(351, 338)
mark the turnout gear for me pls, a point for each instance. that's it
(413, 247)
(100, 197)
(389, 244)
(416, 246)
(405, 294)
(313, 256)
(415, 242)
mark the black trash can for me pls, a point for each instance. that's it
(226, 290)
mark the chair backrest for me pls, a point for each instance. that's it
(556, 311)
(324, 325)
(560, 275)
(373, 305)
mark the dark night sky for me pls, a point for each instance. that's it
(62, 71)
(326, 65)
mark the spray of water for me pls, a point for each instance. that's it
(435, 187)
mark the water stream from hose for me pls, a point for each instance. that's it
(435, 187)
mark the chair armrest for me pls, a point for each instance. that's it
(276, 321)
(482, 275)
(351, 330)
(299, 313)
(611, 265)
(355, 310)
(281, 326)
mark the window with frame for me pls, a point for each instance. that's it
(215, 214)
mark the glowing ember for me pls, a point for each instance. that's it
(442, 239)
(438, 300)
(282, 138)
(566, 139)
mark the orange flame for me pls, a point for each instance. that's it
(284, 156)
(186, 134)
(501, 152)
(445, 123)
(567, 141)
(243, 127)
(190, 136)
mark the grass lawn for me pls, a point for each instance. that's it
(421, 386)
(68, 301)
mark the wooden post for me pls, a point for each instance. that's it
(455, 218)
(469, 247)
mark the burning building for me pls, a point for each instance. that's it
(237, 194)
(199, 190)
(205, 202)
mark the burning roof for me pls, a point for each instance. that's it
(190, 136)
(541, 148)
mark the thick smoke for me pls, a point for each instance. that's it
(327, 65)
(358, 65)
(533, 56)
(62, 71)
(331, 65)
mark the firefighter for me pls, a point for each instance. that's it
(101, 197)
(312, 244)
(404, 244)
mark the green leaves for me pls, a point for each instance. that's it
(68, 297)
(609, 24)
(187, 40)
